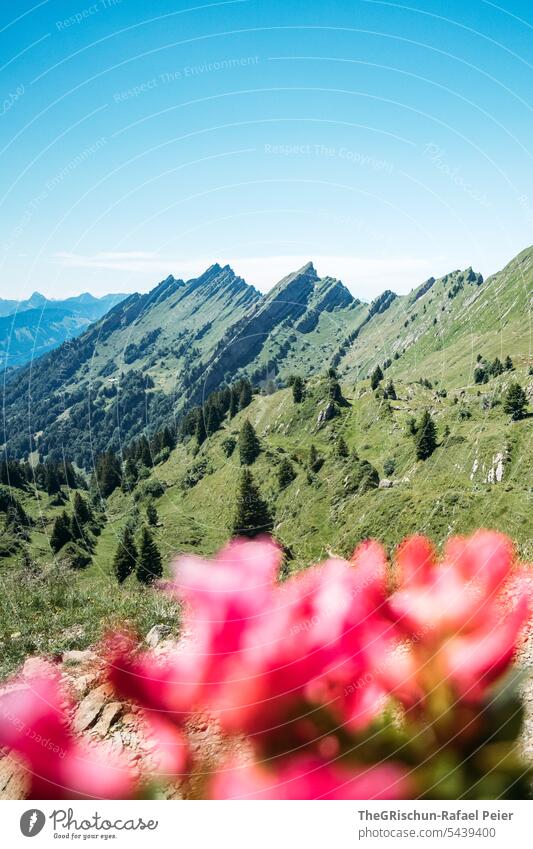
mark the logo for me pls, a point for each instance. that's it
(32, 822)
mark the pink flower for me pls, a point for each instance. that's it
(34, 727)
(309, 777)
(452, 613)
(323, 632)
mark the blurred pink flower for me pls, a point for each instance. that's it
(308, 777)
(34, 726)
(453, 614)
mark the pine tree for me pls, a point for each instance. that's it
(341, 449)
(212, 420)
(125, 559)
(144, 454)
(80, 517)
(151, 514)
(52, 482)
(200, 431)
(297, 390)
(496, 367)
(234, 402)
(149, 564)
(390, 391)
(335, 392)
(480, 374)
(426, 437)
(508, 363)
(376, 377)
(167, 439)
(245, 397)
(252, 515)
(82, 511)
(515, 403)
(60, 532)
(108, 473)
(248, 444)
(315, 462)
(286, 473)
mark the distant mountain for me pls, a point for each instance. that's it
(31, 327)
(153, 356)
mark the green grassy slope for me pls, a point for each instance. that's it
(438, 336)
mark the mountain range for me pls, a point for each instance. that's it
(31, 327)
(152, 356)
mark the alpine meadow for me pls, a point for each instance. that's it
(266, 526)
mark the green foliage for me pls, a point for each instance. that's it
(515, 403)
(228, 445)
(73, 556)
(389, 391)
(298, 390)
(361, 477)
(389, 466)
(149, 567)
(426, 437)
(61, 532)
(286, 473)
(125, 559)
(376, 377)
(200, 432)
(245, 397)
(341, 448)
(151, 514)
(108, 473)
(315, 460)
(252, 515)
(249, 446)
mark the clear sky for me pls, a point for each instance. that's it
(385, 141)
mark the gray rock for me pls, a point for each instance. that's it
(156, 634)
(110, 713)
(385, 483)
(91, 706)
(75, 657)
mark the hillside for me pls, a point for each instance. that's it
(480, 474)
(32, 327)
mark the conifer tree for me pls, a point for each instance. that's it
(252, 515)
(82, 511)
(297, 390)
(108, 473)
(212, 420)
(376, 377)
(149, 564)
(390, 391)
(496, 367)
(52, 482)
(61, 533)
(245, 397)
(315, 462)
(151, 514)
(200, 431)
(248, 444)
(341, 448)
(426, 437)
(335, 392)
(144, 454)
(125, 559)
(508, 363)
(286, 473)
(515, 403)
(233, 402)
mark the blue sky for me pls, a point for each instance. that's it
(385, 141)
